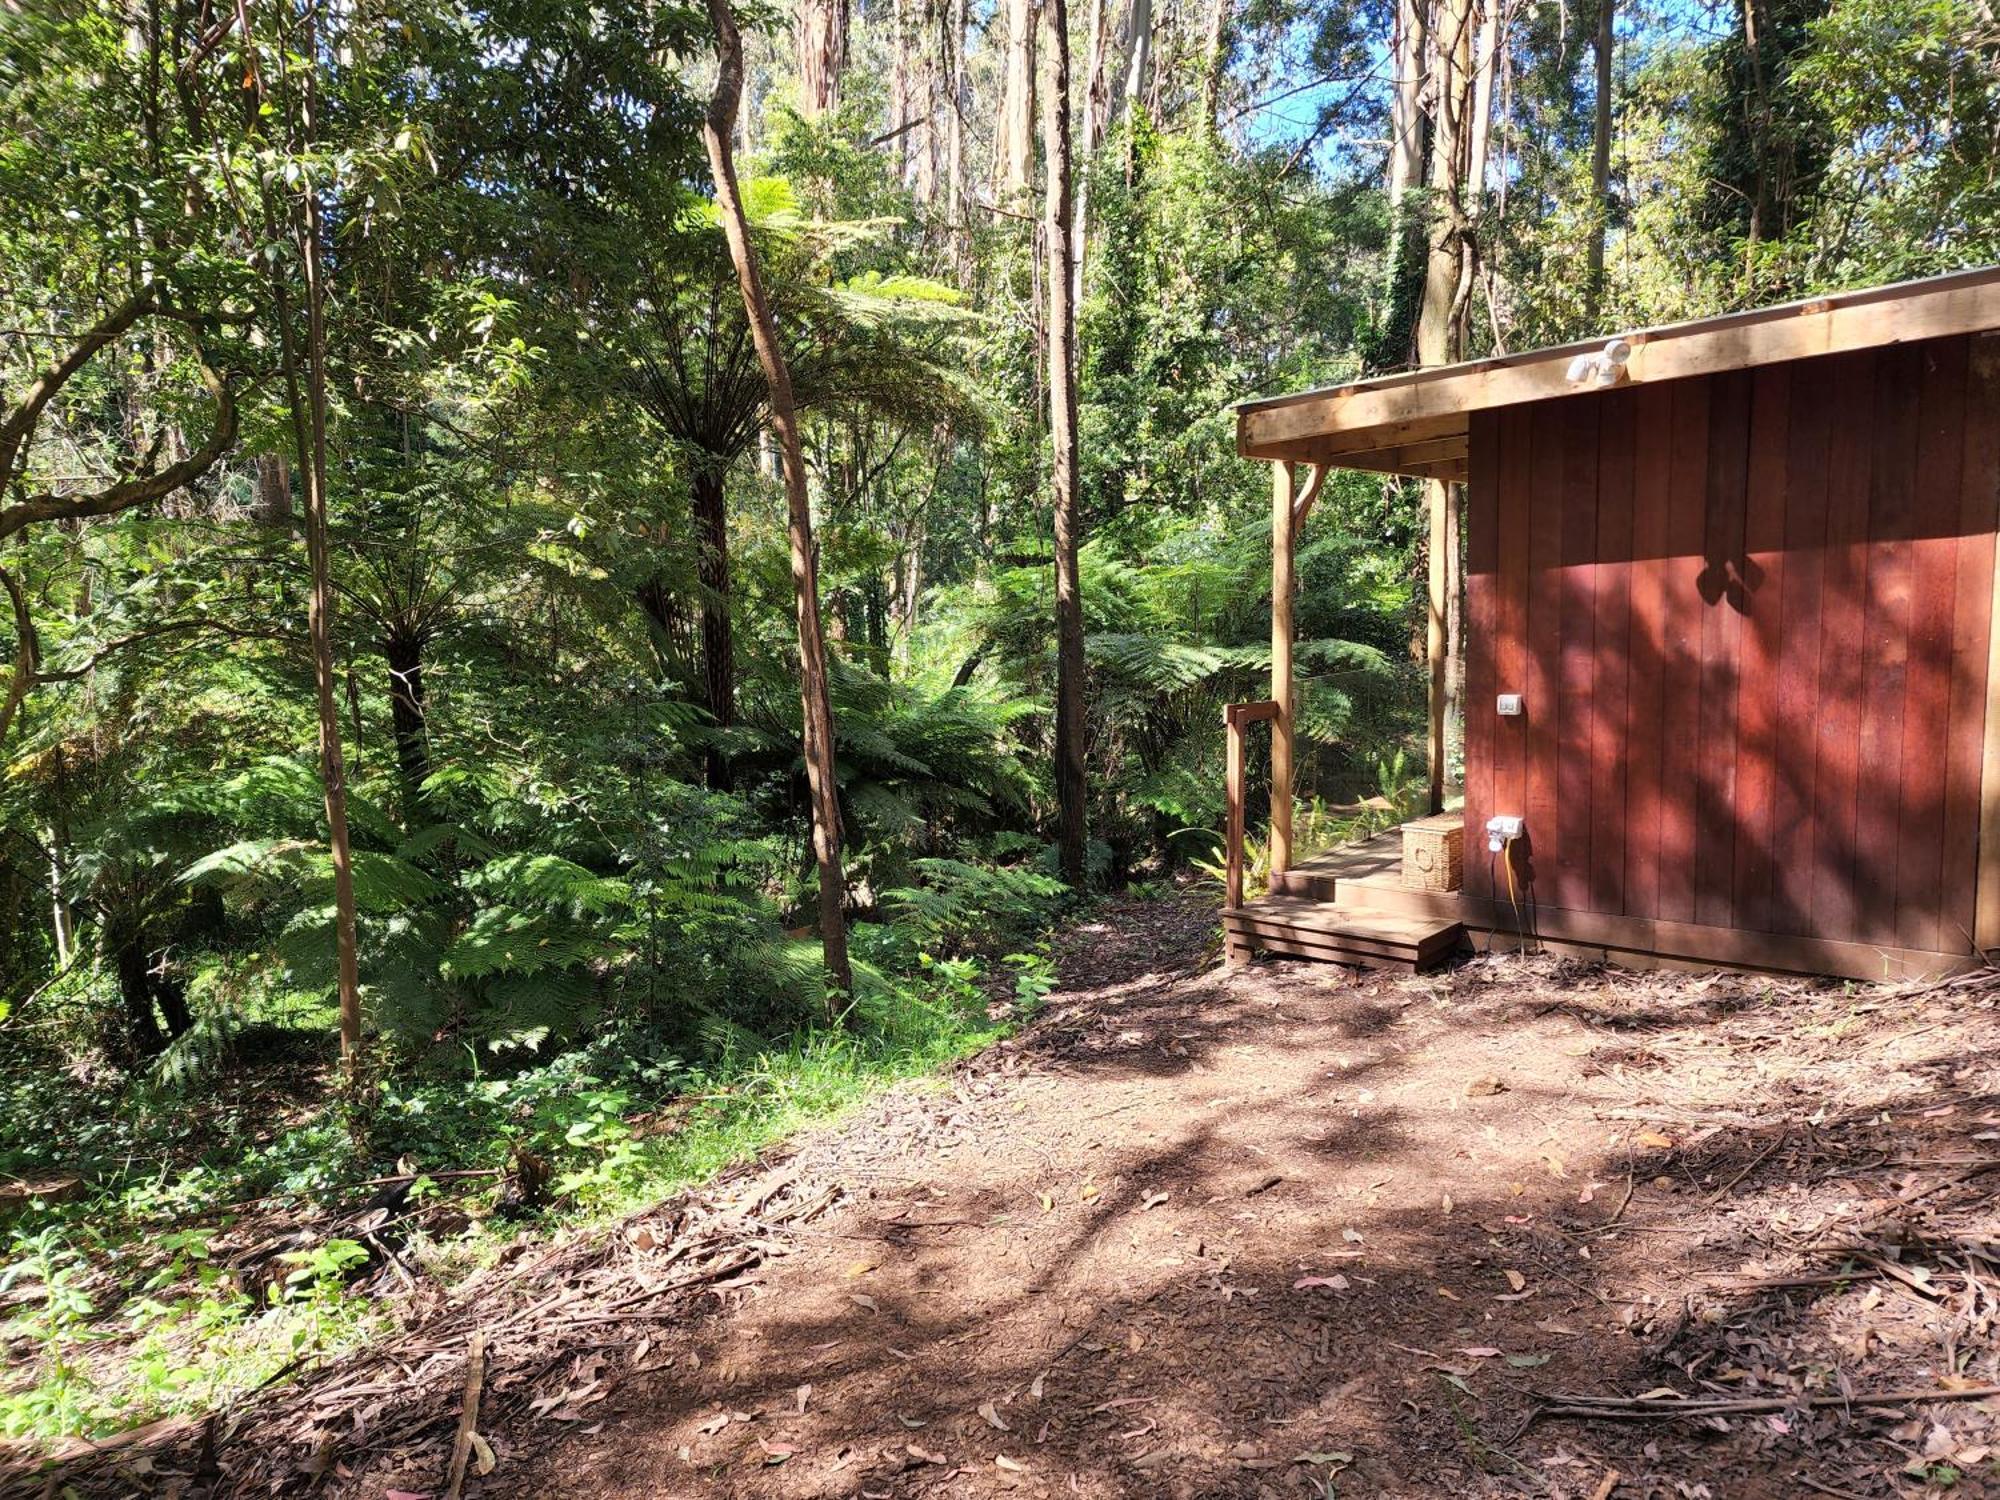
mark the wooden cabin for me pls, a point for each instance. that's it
(1729, 594)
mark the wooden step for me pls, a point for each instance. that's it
(1308, 882)
(1333, 932)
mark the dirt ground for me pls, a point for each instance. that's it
(1287, 1232)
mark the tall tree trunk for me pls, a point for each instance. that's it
(900, 93)
(63, 918)
(954, 125)
(62, 922)
(819, 37)
(718, 648)
(923, 153)
(1486, 70)
(815, 700)
(305, 376)
(1138, 54)
(1406, 115)
(1441, 340)
(1758, 130)
(1014, 156)
(274, 492)
(403, 652)
(1215, 62)
(1072, 790)
(1096, 101)
(1600, 165)
(1401, 276)
(1096, 92)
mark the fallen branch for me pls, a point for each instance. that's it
(1626, 1408)
(468, 1416)
(1752, 1165)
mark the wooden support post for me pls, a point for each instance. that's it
(1232, 884)
(1438, 499)
(1236, 718)
(1283, 589)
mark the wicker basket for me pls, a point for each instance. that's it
(1434, 853)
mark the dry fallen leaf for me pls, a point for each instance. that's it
(1516, 1280)
(1334, 1283)
(862, 1299)
(1657, 1141)
(804, 1394)
(993, 1417)
(483, 1461)
(1035, 1390)
(1153, 1200)
(922, 1456)
(714, 1424)
(1009, 1465)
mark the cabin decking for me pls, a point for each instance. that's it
(1349, 906)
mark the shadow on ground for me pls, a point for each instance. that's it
(1286, 1232)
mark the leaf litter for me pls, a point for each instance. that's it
(1744, 1225)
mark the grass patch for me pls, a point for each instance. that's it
(131, 1321)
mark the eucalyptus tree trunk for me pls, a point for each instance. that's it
(900, 92)
(1600, 164)
(819, 40)
(1072, 790)
(1138, 54)
(954, 137)
(1215, 60)
(1096, 101)
(1014, 153)
(815, 700)
(1405, 174)
(1441, 340)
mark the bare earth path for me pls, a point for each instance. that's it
(1278, 1232)
(1284, 1232)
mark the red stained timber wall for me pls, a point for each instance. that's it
(1748, 613)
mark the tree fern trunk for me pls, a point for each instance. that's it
(404, 653)
(718, 646)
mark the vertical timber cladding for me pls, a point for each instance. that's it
(1749, 613)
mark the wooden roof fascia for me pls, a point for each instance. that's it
(1338, 424)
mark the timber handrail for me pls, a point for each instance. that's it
(1236, 718)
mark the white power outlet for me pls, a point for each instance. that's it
(1510, 705)
(1502, 828)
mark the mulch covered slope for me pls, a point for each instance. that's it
(1516, 1229)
